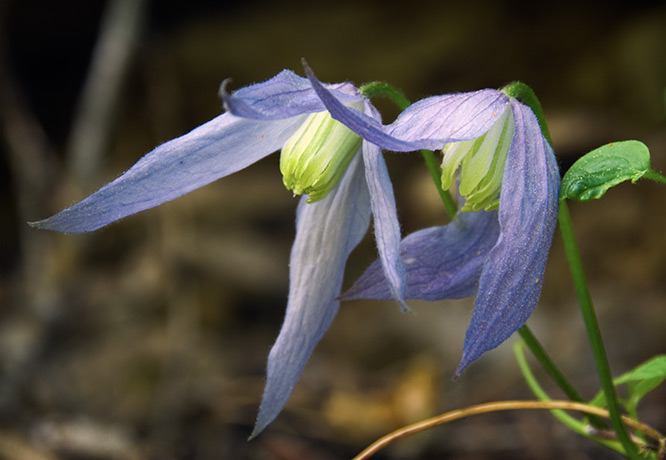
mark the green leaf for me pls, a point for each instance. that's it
(640, 381)
(603, 168)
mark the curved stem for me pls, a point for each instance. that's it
(526, 95)
(593, 331)
(548, 364)
(380, 88)
(540, 354)
(655, 176)
(500, 406)
(570, 422)
(436, 174)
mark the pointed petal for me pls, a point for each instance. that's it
(215, 149)
(326, 232)
(428, 124)
(441, 262)
(387, 228)
(283, 96)
(511, 280)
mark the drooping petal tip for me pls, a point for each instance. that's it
(326, 233)
(510, 284)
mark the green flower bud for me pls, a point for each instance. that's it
(314, 159)
(480, 163)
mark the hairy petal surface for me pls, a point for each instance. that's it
(326, 232)
(441, 262)
(511, 280)
(438, 120)
(222, 146)
(428, 124)
(387, 228)
(283, 96)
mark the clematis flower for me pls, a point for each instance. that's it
(498, 246)
(345, 178)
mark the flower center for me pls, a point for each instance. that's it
(314, 159)
(480, 165)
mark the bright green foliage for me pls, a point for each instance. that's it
(640, 381)
(603, 168)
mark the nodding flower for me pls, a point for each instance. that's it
(498, 245)
(344, 179)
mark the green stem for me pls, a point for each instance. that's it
(436, 174)
(592, 326)
(540, 354)
(569, 421)
(526, 95)
(655, 176)
(379, 88)
(545, 361)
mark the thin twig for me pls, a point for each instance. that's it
(117, 40)
(502, 406)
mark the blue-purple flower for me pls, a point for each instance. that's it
(509, 178)
(350, 182)
(345, 178)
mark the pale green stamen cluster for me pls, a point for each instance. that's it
(480, 163)
(314, 159)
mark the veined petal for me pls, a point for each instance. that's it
(441, 262)
(326, 232)
(215, 149)
(435, 121)
(428, 124)
(511, 280)
(385, 214)
(283, 96)
(387, 228)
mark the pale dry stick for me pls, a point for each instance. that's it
(118, 38)
(502, 406)
(24, 331)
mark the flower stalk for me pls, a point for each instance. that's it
(655, 176)
(525, 93)
(575, 425)
(593, 331)
(540, 353)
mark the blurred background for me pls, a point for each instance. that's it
(148, 339)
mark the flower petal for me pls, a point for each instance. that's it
(283, 96)
(215, 149)
(387, 228)
(326, 232)
(511, 280)
(441, 262)
(428, 124)
(436, 121)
